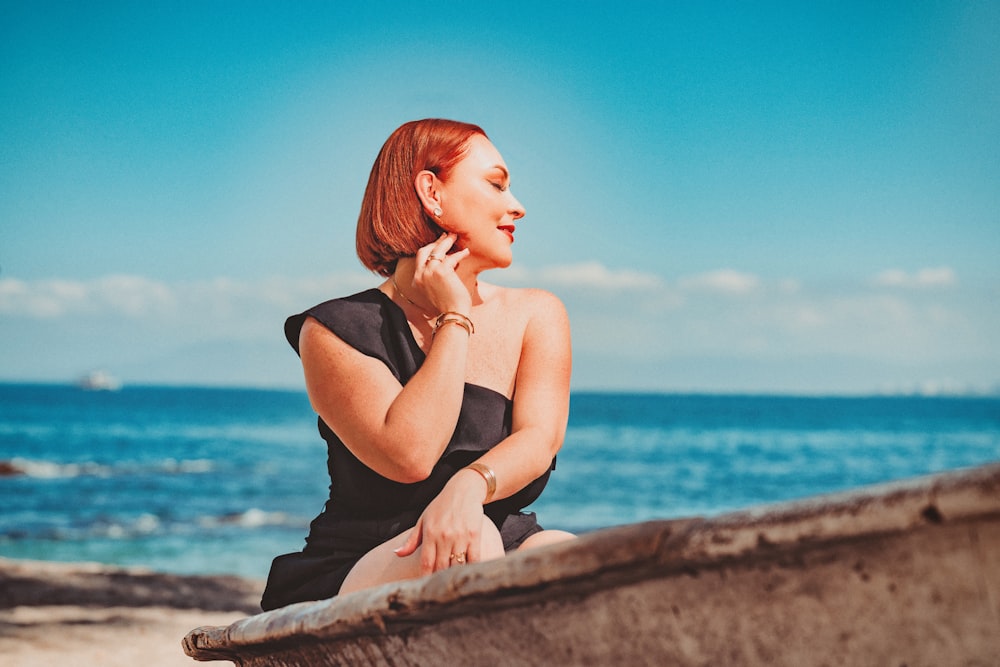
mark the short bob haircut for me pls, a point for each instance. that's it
(393, 223)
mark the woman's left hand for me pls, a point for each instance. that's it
(450, 530)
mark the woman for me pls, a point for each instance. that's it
(443, 399)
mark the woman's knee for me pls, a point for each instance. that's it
(490, 544)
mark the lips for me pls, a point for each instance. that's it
(509, 230)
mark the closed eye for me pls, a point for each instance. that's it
(503, 182)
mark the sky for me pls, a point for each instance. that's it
(728, 197)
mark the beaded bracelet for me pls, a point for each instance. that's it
(451, 317)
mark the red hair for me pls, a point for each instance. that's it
(392, 223)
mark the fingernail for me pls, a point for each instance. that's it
(397, 550)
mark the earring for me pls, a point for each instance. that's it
(437, 212)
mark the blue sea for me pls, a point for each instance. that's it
(222, 480)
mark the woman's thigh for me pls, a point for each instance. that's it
(545, 537)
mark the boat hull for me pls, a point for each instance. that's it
(906, 573)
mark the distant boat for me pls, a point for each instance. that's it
(99, 381)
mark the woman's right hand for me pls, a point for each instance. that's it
(449, 531)
(435, 275)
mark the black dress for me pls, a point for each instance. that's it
(366, 509)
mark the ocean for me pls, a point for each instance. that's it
(212, 481)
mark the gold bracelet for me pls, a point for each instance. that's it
(488, 475)
(451, 320)
(449, 316)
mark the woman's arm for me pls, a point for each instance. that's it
(452, 521)
(541, 399)
(398, 431)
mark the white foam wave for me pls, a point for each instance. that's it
(55, 470)
(251, 518)
(144, 524)
(195, 466)
(148, 525)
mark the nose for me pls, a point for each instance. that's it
(516, 209)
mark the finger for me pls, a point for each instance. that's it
(412, 542)
(474, 548)
(428, 258)
(443, 245)
(473, 551)
(422, 255)
(423, 252)
(428, 558)
(454, 258)
(444, 558)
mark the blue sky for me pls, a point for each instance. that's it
(752, 197)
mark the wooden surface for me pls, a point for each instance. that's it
(907, 573)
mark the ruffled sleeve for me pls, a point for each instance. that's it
(370, 323)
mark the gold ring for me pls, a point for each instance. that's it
(458, 558)
(434, 258)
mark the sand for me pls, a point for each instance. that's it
(85, 614)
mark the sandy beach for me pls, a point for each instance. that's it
(86, 614)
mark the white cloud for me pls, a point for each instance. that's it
(727, 312)
(131, 296)
(596, 275)
(942, 276)
(732, 314)
(49, 299)
(183, 304)
(724, 281)
(625, 318)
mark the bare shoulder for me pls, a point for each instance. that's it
(317, 342)
(541, 317)
(546, 311)
(531, 302)
(313, 333)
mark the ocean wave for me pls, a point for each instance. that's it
(194, 466)
(252, 518)
(20, 467)
(150, 525)
(144, 524)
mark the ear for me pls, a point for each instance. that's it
(428, 190)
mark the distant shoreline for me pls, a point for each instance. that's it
(992, 392)
(48, 583)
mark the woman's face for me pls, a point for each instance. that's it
(477, 204)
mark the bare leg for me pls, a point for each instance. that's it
(546, 537)
(381, 565)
